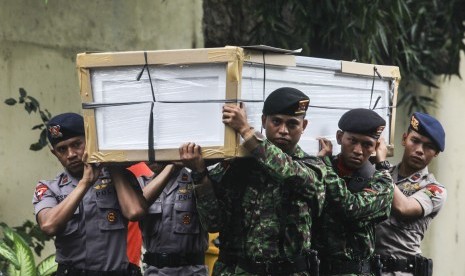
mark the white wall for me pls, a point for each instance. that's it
(445, 241)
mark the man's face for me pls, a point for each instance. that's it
(69, 153)
(355, 148)
(419, 150)
(284, 131)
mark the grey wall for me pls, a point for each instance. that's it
(38, 47)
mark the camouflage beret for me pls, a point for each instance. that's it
(362, 121)
(64, 126)
(428, 126)
(286, 101)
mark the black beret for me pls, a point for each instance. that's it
(286, 101)
(64, 126)
(362, 121)
(428, 126)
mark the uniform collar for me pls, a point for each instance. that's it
(413, 178)
(298, 152)
(66, 178)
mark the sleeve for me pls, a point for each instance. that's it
(372, 204)
(209, 207)
(281, 167)
(43, 197)
(431, 198)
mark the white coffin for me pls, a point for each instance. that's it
(186, 90)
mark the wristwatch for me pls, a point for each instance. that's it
(198, 176)
(383, 165)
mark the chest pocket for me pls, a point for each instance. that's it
(108, 210)
(186, 217)
(156, 208)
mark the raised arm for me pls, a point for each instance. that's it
(155, 187)
(52, 220)
(405, 207)
(132, 203)
(372, 204)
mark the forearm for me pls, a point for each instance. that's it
(155, 187)
(373, 203)
(133, 204)
(53, 220)
(278, 164)
(405, 207)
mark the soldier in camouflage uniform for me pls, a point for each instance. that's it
(344, 235)
(418, 198)
(263, 206)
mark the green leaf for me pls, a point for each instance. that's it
(10, 101)
(22, 92)
(8, 254)
(36, 147)
(29, 107)
(48, 266)
(40, 126)
(24, 255)
(43, 138)
(43, 116)
(34, 102)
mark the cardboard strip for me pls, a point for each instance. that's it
(166, 57)
(365, 69)
(233, 87)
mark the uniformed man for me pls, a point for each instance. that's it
(174, 240)
(344, 234)
(86, 208)
(263, 206)
(418, 198)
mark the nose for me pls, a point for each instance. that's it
(419, 150)
(358, 149)
(283, 129)
(70, 153)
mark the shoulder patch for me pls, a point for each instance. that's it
(432, 189)
(40, 191)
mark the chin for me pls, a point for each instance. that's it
(75, 173)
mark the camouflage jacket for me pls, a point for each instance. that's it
(346, 229)
(263, 206)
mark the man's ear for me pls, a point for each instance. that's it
(404, 139)
(263, 121)
(339, 134)
(304, 124)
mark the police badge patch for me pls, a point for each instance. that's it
(40, 191)
(55, 131)
(431, 190)
(111, 216)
